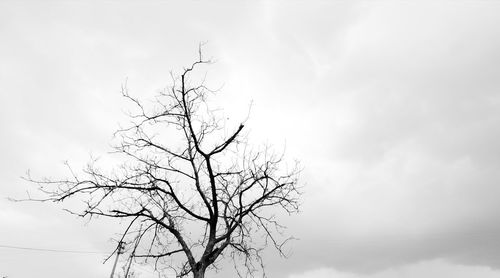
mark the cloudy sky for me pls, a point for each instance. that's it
(392, 107)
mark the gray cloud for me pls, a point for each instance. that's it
(393, 109)
(410, 170)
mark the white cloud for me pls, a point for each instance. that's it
(428, 269)
(393, 109)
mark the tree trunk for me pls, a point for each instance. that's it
(199, 273)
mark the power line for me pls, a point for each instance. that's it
(51, 250)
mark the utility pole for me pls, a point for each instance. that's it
(118, 252)
(129, 264)
(132, 255)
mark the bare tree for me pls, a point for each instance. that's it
(191, 191)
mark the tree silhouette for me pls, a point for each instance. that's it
(191, 191)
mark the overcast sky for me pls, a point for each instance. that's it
(393, 108)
